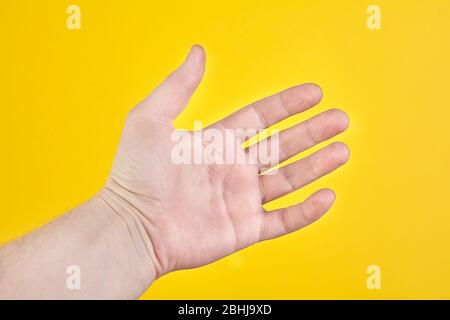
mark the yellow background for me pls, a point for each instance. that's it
(65, 94)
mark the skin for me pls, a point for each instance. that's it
(154, 217)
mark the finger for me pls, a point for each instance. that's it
(283, 221)
(311, 132)
(273, 109)
(303, 172)
(174, 93)
(299, 138)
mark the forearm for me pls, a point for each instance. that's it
(107, 243)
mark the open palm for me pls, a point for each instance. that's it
(192, 214)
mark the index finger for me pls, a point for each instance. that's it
(268, 111)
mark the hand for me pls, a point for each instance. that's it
(193, 214)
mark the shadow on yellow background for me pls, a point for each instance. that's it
(65, 95)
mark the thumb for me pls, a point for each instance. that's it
(172, 96)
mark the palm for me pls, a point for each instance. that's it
(198, 213)
(218, 216)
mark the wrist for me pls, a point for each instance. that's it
(129, 226)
